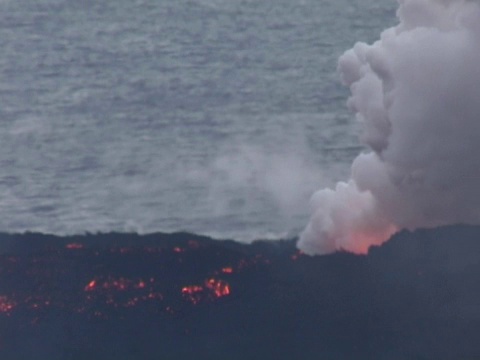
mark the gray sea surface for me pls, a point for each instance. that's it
(212, 116)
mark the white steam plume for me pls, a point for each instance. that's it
(416, 93)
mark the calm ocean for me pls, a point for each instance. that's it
(213, 116)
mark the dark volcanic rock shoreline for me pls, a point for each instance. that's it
(182, 296)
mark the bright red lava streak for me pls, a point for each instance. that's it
(211, 289)
(6, 305)
(74, 246)
(99, 282)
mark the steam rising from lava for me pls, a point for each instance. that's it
(416, 92)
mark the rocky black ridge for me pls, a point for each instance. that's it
(183, 296)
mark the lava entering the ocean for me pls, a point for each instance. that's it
(136, 297)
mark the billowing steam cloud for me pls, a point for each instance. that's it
(416, 92)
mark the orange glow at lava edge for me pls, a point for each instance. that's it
(227, 270)
(297, 255)
(192, 289)
(91, 285)
(74, 246)
(212, 289)
(118, 284)
(361, 241)
(6, 305)
(219, 287)
(122, 292)
(193, 293)
(110, 287)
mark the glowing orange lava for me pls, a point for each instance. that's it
(219, 288)
(193, 293)
(227, 270)
(91, 285)
(103, 294)
(121, 292)
(361, 241)
(120, 284)
(212, 289)
(74, 246)
(6, 305)
(297, 255)
(192, 289)
(117, 284)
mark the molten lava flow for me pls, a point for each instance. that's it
(106, 281)
(193, 293)
(120, 284)
(91, 285)
(74, 246)
(6, 305)
(227, 270)
(211, 290)
(297, 255)
(361, 241)
(116, 284)
(192, 289)
(219, 288)
(121, 292)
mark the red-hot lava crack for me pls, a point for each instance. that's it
(105, 281)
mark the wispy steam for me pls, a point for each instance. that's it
(287, 179)
(416, 93)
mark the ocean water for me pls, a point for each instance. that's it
(212, 116)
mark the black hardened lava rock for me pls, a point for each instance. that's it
(182, 296)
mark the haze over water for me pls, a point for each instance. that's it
(215, 117)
